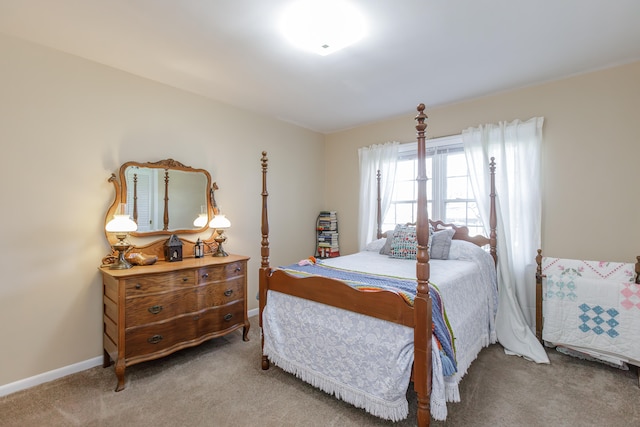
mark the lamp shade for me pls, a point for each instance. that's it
(121, 224)
(201, 221)
(219, 222)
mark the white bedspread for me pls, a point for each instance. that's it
(367, 361)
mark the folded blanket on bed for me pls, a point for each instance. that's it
(406, 288)
(592, 306)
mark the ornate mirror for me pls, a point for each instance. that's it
(163, 198)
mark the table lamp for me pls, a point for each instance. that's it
(120, 225)
(220, 223)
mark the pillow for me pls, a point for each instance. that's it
(405, 242)
(386, 249)
(440, 243)
(376, 245)
(466, 251)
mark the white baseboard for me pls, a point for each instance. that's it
(64, 371)
(49, 376)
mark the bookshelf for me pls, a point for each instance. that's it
(327, 245)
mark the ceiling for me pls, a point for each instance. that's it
(432, 51)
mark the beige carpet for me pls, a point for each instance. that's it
(220, 383)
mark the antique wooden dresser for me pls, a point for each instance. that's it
(152, 311)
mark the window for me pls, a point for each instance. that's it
(449, 194)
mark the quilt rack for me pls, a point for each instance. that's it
(580, 317)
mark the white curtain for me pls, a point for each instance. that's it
(516, 147)
(382, 157)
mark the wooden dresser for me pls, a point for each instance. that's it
(152, 311)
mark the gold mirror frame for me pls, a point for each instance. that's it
(144, 241)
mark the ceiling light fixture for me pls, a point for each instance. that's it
(322, 26)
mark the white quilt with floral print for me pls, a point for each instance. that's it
(592, 307)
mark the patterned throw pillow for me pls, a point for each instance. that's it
(405, 242)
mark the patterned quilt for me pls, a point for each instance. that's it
(593, 307)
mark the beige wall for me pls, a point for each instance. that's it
(66, 124)
(590, 172)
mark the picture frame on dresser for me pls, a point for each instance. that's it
(151, 311)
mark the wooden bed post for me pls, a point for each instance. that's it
(265, 269)
(422, 303)
(493, 221)
(539, 277)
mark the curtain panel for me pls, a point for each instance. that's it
(516, 147)
(377, 157)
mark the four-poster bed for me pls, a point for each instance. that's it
(347, 296)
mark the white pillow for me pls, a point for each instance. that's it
(376, 245)
(440, 243)
(466, 251)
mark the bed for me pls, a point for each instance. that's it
(377, 323)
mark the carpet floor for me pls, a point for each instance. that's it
(220, 383)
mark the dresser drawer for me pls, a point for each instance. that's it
(219, 319)
(160, 336)
(215, 294)
(150, 283)
(221, 272)
(157, 307)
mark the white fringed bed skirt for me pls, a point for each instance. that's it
(342, 353)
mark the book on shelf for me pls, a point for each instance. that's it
(327, 225)
(328, 237)
(324, 252)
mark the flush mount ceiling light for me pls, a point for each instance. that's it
(322, 26)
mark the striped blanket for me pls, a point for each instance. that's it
(406, 288)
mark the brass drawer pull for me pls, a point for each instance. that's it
(228, 317)
(228, 292)
(155, 339)
(155, 309)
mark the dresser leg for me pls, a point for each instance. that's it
(120, 375)
(245, 331)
